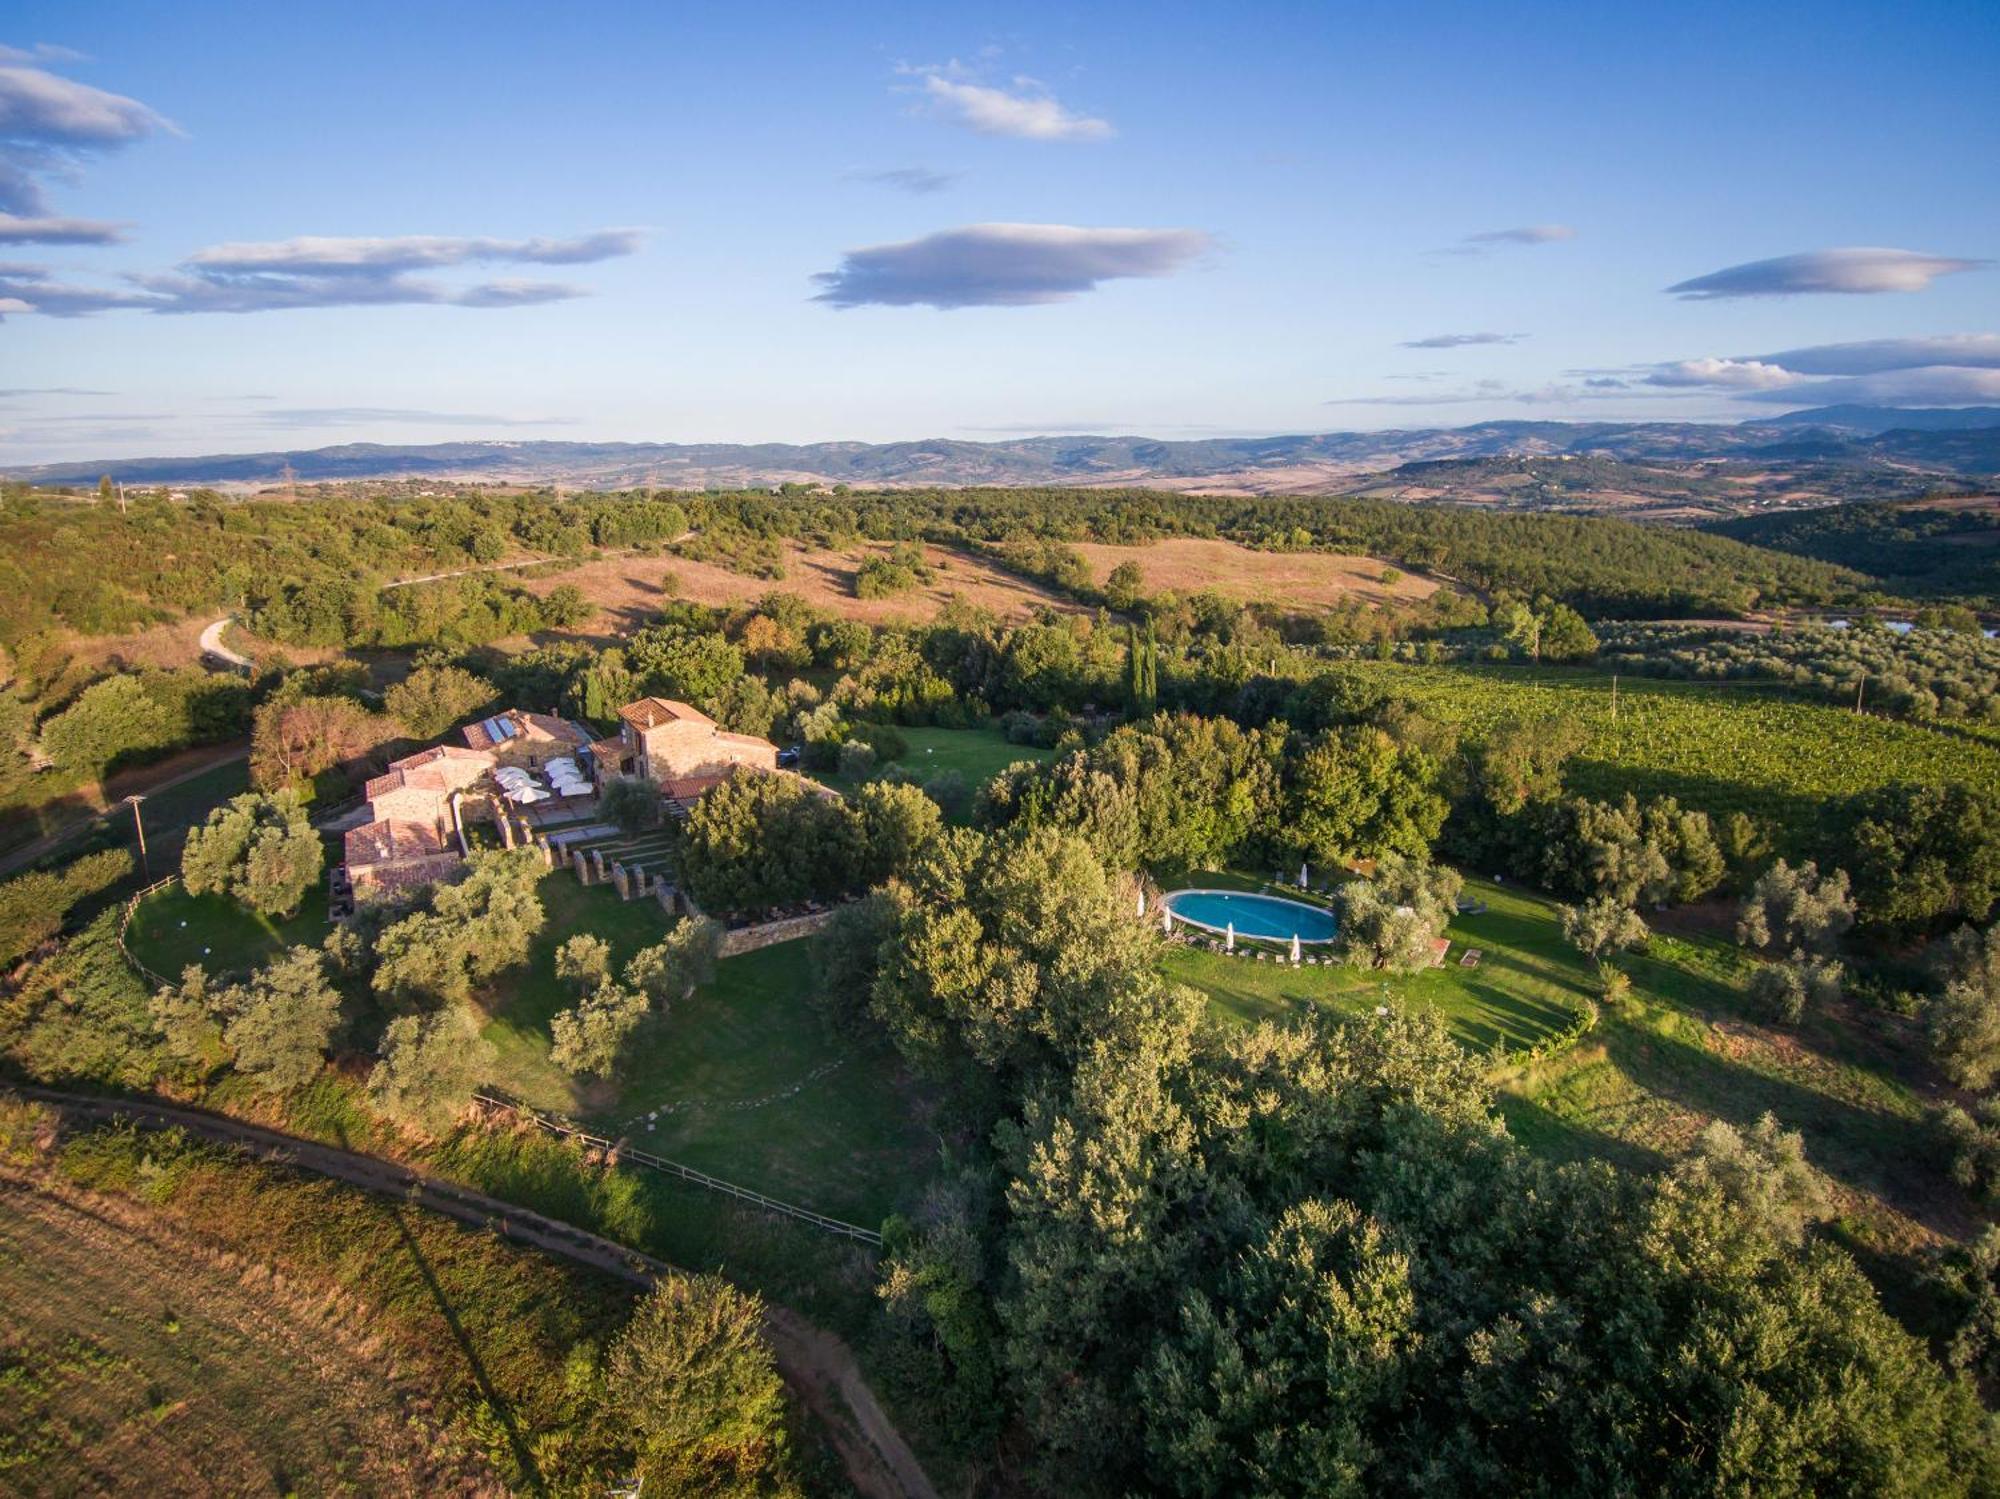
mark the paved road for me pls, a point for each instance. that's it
(818, 1365)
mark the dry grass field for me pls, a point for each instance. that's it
(134, 1362)
(628, 590)
(1298, 580)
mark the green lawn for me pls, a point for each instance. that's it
(845, 1143)
(1524, 988)
(976, 754)
(172, 929)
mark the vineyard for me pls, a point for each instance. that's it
(1720, 748)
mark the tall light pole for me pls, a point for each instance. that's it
(139, 827)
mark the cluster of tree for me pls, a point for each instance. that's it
(34, 905)
(1927, 674)
(1184, 791)
(591, 1033)
(274, 1028)
(757, 842)
(1394, 918)
(308, 570)
(129, 718)
(898, 570)
(1934, 550)
(1209, 1261)
(259, 849)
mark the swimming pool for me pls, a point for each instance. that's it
(1269, 917)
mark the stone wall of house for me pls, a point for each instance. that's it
(750, 938)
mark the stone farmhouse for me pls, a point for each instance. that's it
(678, 748)
(527, 740)
(412, 833)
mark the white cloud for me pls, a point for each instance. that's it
(1723, 374)
(375, 255)
(914, 180)
(1854, 271)
(1527, 234)
(1941, 385)
(1031, 114)
(1004, 265)
(48, 123)
(324, 271)
(1971, 350)
(1461, 340)
(16, 229)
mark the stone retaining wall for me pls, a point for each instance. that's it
(750, 938)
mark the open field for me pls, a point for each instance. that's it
(977, 754)
(738, 1080)
(1296, 580)
(134, 1361)
(630, 590)
(1717, 747)
(172, 929)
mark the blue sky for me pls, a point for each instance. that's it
(295, 225)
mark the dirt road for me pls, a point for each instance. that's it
(211, 645)
(819, 1366)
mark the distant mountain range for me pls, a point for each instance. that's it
(1925, 447)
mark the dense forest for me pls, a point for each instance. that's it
(1947, 550)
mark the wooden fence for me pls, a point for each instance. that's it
(125, 923)
(623, 1152)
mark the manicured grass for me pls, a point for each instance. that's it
(846, 1143)
(976, 754)
(172, 929)
(525, 998)
(1524, 989)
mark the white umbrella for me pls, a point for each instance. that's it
(1142, 902)
(1302, 877)
(1229, 938)
(1295, 947)
(1166, 920)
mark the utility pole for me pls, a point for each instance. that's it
(1614, 697)
(121, 496)
(1857, 692)
(139, 826)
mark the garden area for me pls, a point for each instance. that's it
(1525, 988)
(172, 929)
(1682, 1048)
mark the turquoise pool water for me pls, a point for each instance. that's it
(1265, 916)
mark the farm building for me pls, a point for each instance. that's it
(411, 836)
(679, 748)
